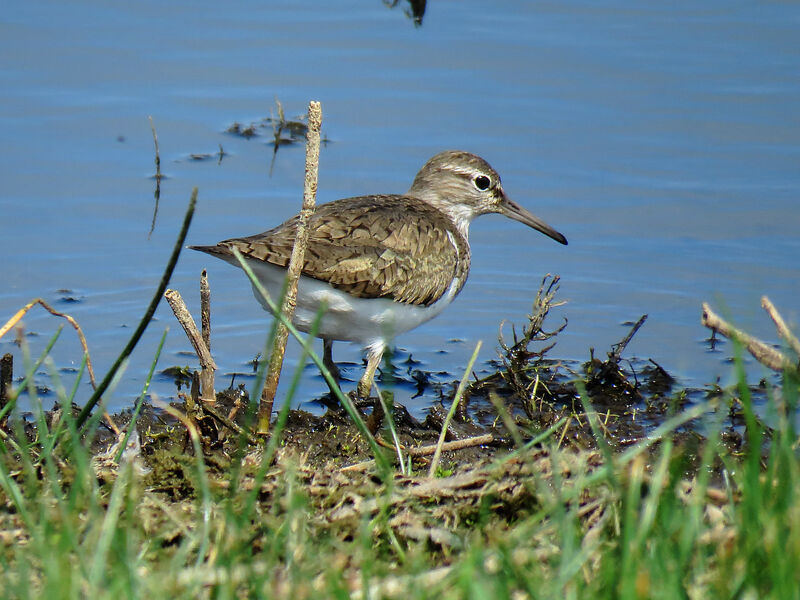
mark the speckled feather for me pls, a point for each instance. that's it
(384, 246)
(382, 265)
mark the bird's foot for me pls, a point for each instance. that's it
(360, 402)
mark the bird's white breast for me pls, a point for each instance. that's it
(364, 320)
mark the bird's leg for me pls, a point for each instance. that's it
(374, 355)
(327, 360)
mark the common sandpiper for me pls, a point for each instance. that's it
(382, 265)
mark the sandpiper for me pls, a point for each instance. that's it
(382, 265)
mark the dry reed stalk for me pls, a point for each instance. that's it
(763, 353)
(295, 266)
(207, 364)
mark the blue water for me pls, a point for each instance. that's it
(664, 142)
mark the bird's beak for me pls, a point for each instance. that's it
(514, 211)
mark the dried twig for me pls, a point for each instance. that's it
(518, 354)
(478, 440)
(157, 192)
(207, 364)
(763, 353)
(230, 424)
(295, 265)
(783, 331)
(21, 313)
(277, 129)
(609, 372)
(518, 357)
(618, 348)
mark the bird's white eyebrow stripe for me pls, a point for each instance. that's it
(461, 171)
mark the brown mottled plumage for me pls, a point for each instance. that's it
(383, 264)
(394, 247)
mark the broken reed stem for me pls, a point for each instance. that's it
(157, 192)
(478, 440)
(470, 442)
(418, 452)
(207, 364)
(155, 141)
(763, 353)
(295, 265)
(783, 331)
(205, 309)
(619, 348)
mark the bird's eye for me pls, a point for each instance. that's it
(482, 182)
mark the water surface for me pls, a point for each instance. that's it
(664, 142)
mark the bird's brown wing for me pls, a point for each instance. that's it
(375, 246)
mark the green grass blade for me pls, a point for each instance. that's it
(83, 417)
(140, 400)
(462, 385)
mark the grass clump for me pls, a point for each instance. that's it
(541, 522)
(175, 508)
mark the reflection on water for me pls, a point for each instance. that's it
(157, 178)
(415, 10)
